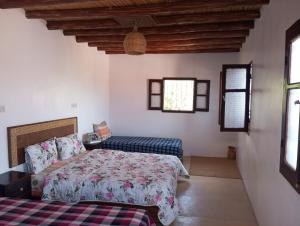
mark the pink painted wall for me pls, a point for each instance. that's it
(128, 100)
(275, 202)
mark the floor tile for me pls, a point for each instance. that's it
(212, 201)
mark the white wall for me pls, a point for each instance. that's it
(275, 201)
(128, 100)
(42, 73)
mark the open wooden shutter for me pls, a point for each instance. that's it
(202, 95)
(220, 99)
(155, 94)
(290, 136)
(235, 90)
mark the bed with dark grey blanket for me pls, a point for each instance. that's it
(165, 146)
(34, 212)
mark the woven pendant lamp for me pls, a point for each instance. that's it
(135, 43)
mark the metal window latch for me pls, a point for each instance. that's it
(297, 102)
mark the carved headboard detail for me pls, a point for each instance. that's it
(19, 137)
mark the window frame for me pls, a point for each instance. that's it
(223, 92)
(195, 96)
(176, 79)
(291, 175)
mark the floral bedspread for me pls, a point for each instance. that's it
(116, 176)
(37, 180)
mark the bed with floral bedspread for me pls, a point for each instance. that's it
(119, 177)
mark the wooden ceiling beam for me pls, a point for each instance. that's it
(175, 29)
(226, 50)
(180, 48)
(206, 18)
(8, 4)
(203, 42)
(199, 35)
(157, 46)
(81, 24)
(212, 18)
(161, 38)
(185, 6)
(170, 37)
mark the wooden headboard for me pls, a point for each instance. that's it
(19, 137)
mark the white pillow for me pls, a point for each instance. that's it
(39, 156)
(69, 146)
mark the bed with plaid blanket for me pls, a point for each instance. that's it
(33, 212)
(166, 146)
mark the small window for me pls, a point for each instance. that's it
(290, 155)
(235, 98)
(181, 95)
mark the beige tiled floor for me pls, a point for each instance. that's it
(210, 201)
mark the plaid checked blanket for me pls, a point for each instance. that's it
(166, 146)
(33, 212)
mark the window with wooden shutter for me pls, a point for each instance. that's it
(290, 154)
(179, 95)
(234, 98)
